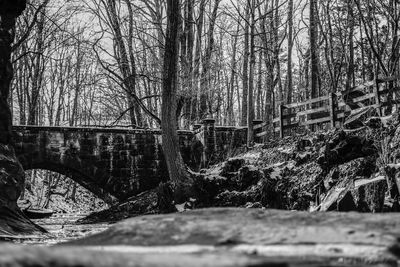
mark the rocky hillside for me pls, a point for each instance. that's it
(339, 170)
(342, 170)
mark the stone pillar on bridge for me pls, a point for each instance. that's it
(209, 141)
(257, 131)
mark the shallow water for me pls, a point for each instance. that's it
(62, 228)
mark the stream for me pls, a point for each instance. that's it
(62, 228)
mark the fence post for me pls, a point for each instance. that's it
(257, 131)
(281, 130)
(332, 109)
(377, 97)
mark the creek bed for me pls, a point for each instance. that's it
(62, 228)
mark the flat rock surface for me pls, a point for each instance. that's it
(228, 237)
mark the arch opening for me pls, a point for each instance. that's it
(47, 189)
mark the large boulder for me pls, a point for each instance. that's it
(12, 220)
(363, 195)
(231, 167)
(366, 238)
(355, 185)
(11, 177)
(248, 176)
(227, 237)
(343, 147)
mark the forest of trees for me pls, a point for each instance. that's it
(99, 63)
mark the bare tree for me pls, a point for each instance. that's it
(170, 143)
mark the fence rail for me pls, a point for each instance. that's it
(335, 107)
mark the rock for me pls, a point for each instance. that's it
(302, 144)
(270, 196)
(363, 195)
(333, 197)
(12, 177)
(302, 157)
(270, 233)
(342, 148)
(143, 203)
(17, 256)
(165, 198)
(332, 178)
(226, 237)
(393, 177)
(289, 186)
(248, 176)
(207, 187)
(346, 203)
(232, 166)
(342, 194)
(359, 118)
(370, 194)
(12, 221)
(395, 207)
(236, 198)
(256, 205)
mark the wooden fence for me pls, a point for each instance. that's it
(334, 108)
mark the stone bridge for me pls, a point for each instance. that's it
(114, 164)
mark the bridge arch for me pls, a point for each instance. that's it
(71, 172)
(114, 164)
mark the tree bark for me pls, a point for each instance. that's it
(314, 49)
(250, 104)
(205, 85)
(289, 79)
(37, 72)
(177, 171)
(232, 79)
(197, 60)
(12, 179)
(127, 64)
(245, 67)
(350, 80)
(12, 174)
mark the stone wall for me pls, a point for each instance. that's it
(112, 163)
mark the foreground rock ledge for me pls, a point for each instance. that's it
(228, 237)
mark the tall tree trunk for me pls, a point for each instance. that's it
(37, 72)
(205, 76)
(289, 78)
(350, 79)
(127, 68)
(314, 49)
(259, 86)
(12, 177)
(250, 105)
(275, 29)
(245, 67)
(268, 112)
(12, 174)
(189, 32)
(197, 60)
(170, 143)
(232, 78)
